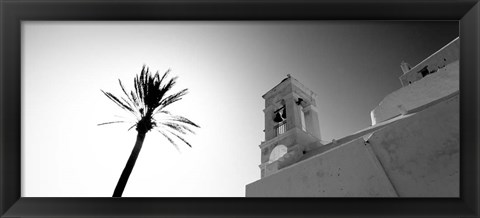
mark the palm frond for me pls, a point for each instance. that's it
(135, 99)
(126, 94)
(170, 140)
(111, 122)
(137, 91)
(131, 127)
(172, 98)
(184, 120)
(174, 126)
(162, 112)
(149, 90)
(180, 127)
(117, 101)
(127, 103)
(181, 138)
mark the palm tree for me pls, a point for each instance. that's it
(147, 104)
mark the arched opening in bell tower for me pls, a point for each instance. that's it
(299, 103)
(280, 119)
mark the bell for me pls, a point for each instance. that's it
(299, 101)
(284, 113)
(278, 118)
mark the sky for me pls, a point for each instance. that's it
(226, 65)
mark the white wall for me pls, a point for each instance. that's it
(446, 55)
(416, 155)
(349, 170)
(420, 153)
(431, 88)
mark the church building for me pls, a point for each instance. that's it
(410, 150)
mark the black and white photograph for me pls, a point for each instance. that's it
(240, 109)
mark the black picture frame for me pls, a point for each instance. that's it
(12, 12)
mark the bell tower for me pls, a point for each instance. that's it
(291, 125)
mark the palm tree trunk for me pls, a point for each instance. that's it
(122, 182)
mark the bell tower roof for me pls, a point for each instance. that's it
(289, 81)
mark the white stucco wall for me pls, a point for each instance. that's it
(446, 55)
(416, 155)
(420, 153)
(433, 87)
(349, 170)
